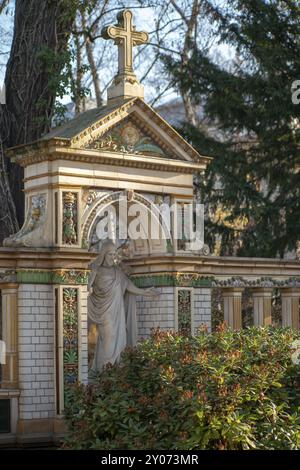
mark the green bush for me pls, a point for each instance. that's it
(226, 390)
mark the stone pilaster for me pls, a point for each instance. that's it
(10, 335)
(290, 307)
(233, 307)
(262, 305)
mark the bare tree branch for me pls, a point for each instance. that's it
(180, 11)
(3, 4)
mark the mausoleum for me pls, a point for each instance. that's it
(121, 155)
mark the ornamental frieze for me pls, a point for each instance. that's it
(66, 276)
(263, 282)
(61, 276)
(127, 137)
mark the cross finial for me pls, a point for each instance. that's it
(125, 37)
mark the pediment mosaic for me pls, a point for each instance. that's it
(129, 137)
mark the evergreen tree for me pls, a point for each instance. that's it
(256, 152)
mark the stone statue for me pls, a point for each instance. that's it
(111, 305)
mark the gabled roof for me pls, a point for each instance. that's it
(83, 121)
(92, 124)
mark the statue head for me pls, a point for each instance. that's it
(107, 255)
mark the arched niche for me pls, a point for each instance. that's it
(151, 223)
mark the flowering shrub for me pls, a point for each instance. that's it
(226, 390)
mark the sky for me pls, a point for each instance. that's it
(144, 20)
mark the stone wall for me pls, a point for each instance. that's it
(202, 307)
(36, 351)
(161, 312)
(154, 313)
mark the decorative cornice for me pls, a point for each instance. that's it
(131, 160)
(263, 282)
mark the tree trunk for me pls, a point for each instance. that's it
(94, 72)
(41, 33)
(79, 100)
(92, 64)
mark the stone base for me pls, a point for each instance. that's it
(124, 87)
(36, 432)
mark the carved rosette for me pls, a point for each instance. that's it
(70, 219)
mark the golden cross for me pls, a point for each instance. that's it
(126, 37)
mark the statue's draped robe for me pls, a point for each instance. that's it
(114, 313)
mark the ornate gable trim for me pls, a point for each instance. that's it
(154, 125)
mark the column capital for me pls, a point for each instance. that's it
(8, 288)
(290, 297)
(232, 291)
(232, 298)
(290, 291)
(262, 291)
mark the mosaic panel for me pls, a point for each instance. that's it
(185, 311)
(70, 336)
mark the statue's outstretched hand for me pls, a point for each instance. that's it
(152, 292)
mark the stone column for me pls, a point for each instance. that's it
(10, 335)
(233, 307)
(262, 304)
(290, 307)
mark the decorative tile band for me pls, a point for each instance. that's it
(179, 279)
(63, 276)
(172, 280)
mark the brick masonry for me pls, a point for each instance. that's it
(36, 330)
(154, 313)
(161, 311)
(36, 351)
(202, 307)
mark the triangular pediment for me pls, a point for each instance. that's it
(135, 128)
(127, 127)
(131, 135)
